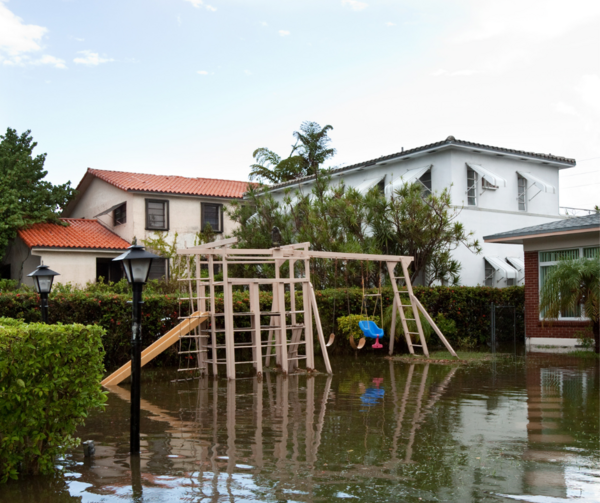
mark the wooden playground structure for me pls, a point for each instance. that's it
(285, 333)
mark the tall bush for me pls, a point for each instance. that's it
(49, 380)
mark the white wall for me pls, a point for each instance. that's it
(497, 210)
(76, 267)
(21, 261)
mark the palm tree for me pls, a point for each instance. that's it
(310, 151)
(570, 284)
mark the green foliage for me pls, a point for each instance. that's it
(468, 307)
(348, 325)
(178, 264)
(421, 226)
(49, 380)
(412, 326)
(26, 198)
(340, 219)
(585, 338)
(446, 325)
(309, 152)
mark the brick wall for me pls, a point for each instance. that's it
(533, 324)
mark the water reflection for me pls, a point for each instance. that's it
(374, 431)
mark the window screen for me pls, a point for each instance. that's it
(159, 269)
(120, 215)
(426, 181)
(522, 193)
(471, 187)
(211, 214)
(157, 215)
(554, 256)
(489, 274)
(591, 252)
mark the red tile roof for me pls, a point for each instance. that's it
(80, 233)
(171, 184)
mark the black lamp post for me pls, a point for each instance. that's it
(136, 262)
(42, 281)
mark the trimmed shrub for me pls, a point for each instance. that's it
(468, 307)
(49, 380)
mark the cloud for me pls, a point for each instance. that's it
(389, 23)
(199, 4)
(202, 72)
(563, 108)
(90, 58)
(355, 4)
(247, 72)
(263, 23)
(589, 90)
(18, 41)
(455, 73)
(284, 33)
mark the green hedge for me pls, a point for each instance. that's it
(469, 307)
(49, 380)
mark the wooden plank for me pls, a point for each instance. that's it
(317, 318)
(393, 327)
(157, 347)
(434, 326)
(308, 328)
(213, 319)
(283, 350)
(255, 308)
(229, 337)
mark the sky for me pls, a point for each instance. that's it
(193, 87)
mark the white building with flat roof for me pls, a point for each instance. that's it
(498, 189)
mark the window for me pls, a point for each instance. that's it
(159, 269)
(471, 187)
(426, 182)
(212, 214)
(522, 193)
(489, 274)
(120, 214)
(547, 261)
(107, 270)
(510, 282)
(157, 215)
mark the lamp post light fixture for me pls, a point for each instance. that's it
(136, 263)
(43, 277)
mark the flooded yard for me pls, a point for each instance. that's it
(513, 429)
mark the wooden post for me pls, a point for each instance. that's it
(393, 327)
(229, 334)
(308, 327)
(283, 350)
(213, 319)
(256, 334)
(201, 305)
(319, 329)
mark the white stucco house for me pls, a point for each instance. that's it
(498, 189)
(128, 205)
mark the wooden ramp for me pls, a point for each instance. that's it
(152, 351)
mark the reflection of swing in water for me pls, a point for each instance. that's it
(372, 396)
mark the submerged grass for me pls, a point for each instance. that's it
(445, 358)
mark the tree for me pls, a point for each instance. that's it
(309, 152)
(570, 284)
(26, 198)
(341, 219)
(422, 226)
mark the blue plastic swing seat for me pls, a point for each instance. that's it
(370, 329)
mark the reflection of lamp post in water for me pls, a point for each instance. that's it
(136, 262)
(42, 281)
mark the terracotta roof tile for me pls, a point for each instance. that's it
(171, 184)
(80, 233)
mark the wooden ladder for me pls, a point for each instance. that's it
(404, 298)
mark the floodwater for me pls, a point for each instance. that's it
(516, 429)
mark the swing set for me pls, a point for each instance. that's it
(277, 332)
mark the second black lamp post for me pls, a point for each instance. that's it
(43, 277)
(136, 263)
